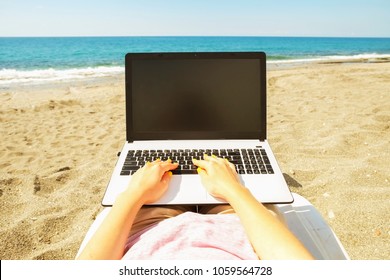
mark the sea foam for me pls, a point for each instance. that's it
(369, 57)
(12, 76)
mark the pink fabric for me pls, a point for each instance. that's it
(192, 236)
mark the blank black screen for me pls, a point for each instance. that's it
(195, 98)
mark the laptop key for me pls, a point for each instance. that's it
(269, 169)
(130, 167)
(183, 172)
(133, 162)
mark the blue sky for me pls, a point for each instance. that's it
(347, 18)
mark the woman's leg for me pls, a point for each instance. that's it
(216, 209)
(227, 209)
(149, 215)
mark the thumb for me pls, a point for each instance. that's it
(166, 178)
(205, 179)
(202, 173)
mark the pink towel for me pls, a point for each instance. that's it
(192, 236)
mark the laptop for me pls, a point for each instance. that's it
(183, 105)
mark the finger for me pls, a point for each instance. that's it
(155, 162)
(164, 167)
(231, 165)
(201, 163)
(166, 178)
(201, 172)
(208, 158)
(169, 165)
(159, 167)
(214, 158)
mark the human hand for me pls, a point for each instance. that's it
(151, 181)
(218, 176)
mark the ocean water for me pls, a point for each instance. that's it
(35, 59)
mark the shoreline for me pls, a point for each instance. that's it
(60, 139)
(11, 77)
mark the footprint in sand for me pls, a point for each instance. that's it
(272, 82)
(8, 185)
(51, 183)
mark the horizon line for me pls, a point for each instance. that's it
(165, 36)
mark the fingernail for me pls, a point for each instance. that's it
(214, 156)
(199, 169)
(170, 173)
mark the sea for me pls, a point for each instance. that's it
(43, 59)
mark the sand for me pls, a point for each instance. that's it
(329, 125)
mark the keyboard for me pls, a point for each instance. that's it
(246, 161)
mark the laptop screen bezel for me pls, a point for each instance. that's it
(132, 135)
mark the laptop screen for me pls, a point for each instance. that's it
(195, 96)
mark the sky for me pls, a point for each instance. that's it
(323, 18)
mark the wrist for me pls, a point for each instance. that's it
(235, 192)
(131, 196)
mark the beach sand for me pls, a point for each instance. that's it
(328, 124)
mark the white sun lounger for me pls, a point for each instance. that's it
(304, 220)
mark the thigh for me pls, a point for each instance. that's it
(216, 209)
(149, 215)
(227, 209)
